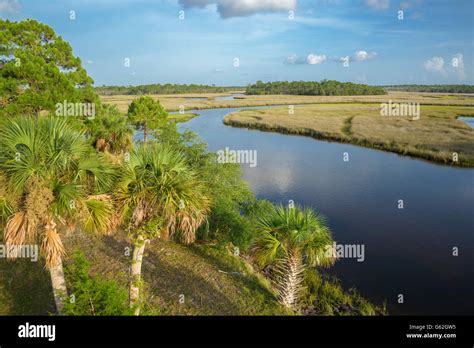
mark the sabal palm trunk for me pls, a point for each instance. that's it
(145, 132)
(59, 285)
(289, 279)
(136, 273)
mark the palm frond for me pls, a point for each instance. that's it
(100, 216)
(298, 229)
(18, 230)
(157, 182)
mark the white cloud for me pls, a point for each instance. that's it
(360, 56)
(9, 6)
(378, 5)
(241, 8)
(313, 59)
(454, 65)
(435, 64)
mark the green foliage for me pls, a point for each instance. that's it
(47, 155)
(325, 87)
(296, 231)
(162, 89)
(157, 183)
(38, 70)
(228, 193)
(322, 295)
(178, 118)
(92, 295)
(110, 130)
(147, 113)
(258, 208)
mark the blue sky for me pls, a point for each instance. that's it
(272, 39)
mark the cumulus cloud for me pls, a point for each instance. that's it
(378, 5)
(358, 56)
(233, 8)
(314, 59)
(452, 66)
(435, 64)
(311, 59)
(9, 6)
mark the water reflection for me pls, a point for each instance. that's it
(408, 251)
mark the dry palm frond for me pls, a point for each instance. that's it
(101, 198)
(101, 144)
(183, 225)
(187, 227)
(170, 229)
(115, 222)
(52, 245)
(17, 230)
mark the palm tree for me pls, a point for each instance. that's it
(288, 241)
(159, 196)
(111, 131)
(51, 181)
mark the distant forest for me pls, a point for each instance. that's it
(432, 88)
(325, 87)
(163, 89)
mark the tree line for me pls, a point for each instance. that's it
(168, 88)
(325, 87)
(432, 88)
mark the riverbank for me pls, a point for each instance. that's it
(173, 102)
(207, 277)
(182, 117)
(436, 135)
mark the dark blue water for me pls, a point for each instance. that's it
(409, 251)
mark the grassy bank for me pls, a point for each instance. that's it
(173, 102)
(435, 136)
(182, 117)
(212, 280)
